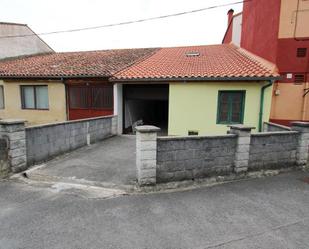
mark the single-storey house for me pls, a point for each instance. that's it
(183, 90)
(56, 87)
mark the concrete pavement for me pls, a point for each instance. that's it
(111, 161)
(270, 212)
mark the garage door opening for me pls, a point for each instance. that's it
(145, 105)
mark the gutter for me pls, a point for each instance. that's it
(262, 103)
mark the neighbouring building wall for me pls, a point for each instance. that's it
(294, 19)
(17, 46)
(260, 26)
(237, 23)
(12, 103)
(289, 103)
(194, 106)
(293, 34)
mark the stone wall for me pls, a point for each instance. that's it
(4, 167)
(47, 141)
(165, 159)
(186, 158)
(273, 150)
(13, 132)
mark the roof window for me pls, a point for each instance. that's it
(192, 54)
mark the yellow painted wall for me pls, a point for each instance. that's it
(290, 104)
(288, 19)
(57, 105)
(193, 106)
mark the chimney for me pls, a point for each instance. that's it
(230, 16)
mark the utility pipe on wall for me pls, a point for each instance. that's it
(262, 103)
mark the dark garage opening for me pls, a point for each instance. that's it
(147, 105)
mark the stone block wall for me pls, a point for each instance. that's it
(4, 167)
(186, 158)
(273, 150)
(13, 132)
(193, 157)
(44, 142)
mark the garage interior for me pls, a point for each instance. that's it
(145, 105)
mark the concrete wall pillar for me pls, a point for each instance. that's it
(146, 154)
(4, 166)
(114, 130)
(243, 146)
(13, 130)
(302, 152)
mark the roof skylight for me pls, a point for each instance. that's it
(192, 54)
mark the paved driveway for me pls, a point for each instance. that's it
(110, 161)
(266, 213)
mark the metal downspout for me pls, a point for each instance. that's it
(262, 104)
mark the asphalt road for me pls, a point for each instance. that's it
(265, 213)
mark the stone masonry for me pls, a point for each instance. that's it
(273, 150)
(146, 154)
(14, 132)
(193, 157)
(47, 141)
(302, 153)
(166, 159)
(243, 146)
(4, 164)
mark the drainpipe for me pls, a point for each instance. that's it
(262, 104)
(304, 107)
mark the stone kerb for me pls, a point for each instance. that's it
(146, 154)
(13, 130)
(302, 152)
(243, 132)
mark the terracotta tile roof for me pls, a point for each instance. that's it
(213, 61)
(102, 63)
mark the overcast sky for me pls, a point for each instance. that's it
(207, 27)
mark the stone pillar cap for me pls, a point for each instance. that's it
(241, 127)
(147, 128)
(12, 121)
(299, 123)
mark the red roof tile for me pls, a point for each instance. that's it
(102, 63)
(213, 61)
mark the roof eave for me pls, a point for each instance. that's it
(273, 78)
(53, 77)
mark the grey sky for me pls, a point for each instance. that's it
(207, 27)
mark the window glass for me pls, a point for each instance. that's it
(28, 97)
(92, 97)
(78, 97)
(102, 97)
(230, 107)
(41, 97)
(236, 103)
(224, 107)
(1, 98)
(98, 97)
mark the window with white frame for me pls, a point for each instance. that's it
(34, 97)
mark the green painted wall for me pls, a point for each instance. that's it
(193, 106)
